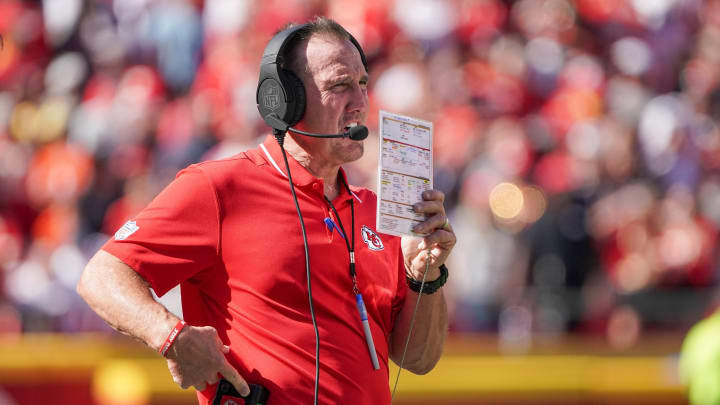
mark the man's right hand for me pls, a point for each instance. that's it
(123, 299)
(197, 358)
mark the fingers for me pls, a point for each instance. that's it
(429, 207)
(438, 236)
(230, 374)
(432, 202)
(210, 381)
(200, 360)
(214, 379)
(441, 237)
(431, 224)
(432, 207)
(433, 195)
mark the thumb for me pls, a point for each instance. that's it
(230, 374)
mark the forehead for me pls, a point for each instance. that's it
(327, 57)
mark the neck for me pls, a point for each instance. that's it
(318, 167)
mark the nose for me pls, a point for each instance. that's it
(358, 99)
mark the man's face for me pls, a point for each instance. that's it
(336, 90)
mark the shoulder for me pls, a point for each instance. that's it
(219, 166)
(222, 170)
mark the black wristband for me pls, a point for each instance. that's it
(429, 287)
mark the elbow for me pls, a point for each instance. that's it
(422, 366)
(420, 362)
(81, 287)
(424, 359)
(419, 369)
(423, 370)
(89, 283)
(85, 287)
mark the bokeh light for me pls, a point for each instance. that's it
(631, 55)
(506, 201)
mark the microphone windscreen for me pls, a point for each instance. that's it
(358, 133)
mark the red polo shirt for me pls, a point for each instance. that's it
(228, 233)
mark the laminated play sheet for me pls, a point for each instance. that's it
(404, 172)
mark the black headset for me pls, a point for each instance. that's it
(280, 93)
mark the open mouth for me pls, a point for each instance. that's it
(351, 125)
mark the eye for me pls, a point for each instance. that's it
(339, 86)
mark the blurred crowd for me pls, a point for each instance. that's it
(577, 142)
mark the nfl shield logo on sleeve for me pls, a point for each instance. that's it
(126, 230)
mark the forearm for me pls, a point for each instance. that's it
(123, 299)
(428, 333)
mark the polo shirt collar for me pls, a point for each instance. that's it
(271, 153)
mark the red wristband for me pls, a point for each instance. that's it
(171, 337)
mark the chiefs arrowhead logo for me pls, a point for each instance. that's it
(371, 239)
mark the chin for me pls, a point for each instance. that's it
(353, 151)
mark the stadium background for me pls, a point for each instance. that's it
(576, 141)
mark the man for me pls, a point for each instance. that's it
(227, 231)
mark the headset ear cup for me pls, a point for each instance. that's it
(296, 109)
(271, 99)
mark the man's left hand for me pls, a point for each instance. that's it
(439, 237)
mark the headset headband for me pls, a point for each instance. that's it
(276, 47)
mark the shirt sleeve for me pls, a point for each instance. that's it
(399, 299)
(175, 236)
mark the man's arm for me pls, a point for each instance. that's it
(123, 299)
(428, 333)
(431, 322)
